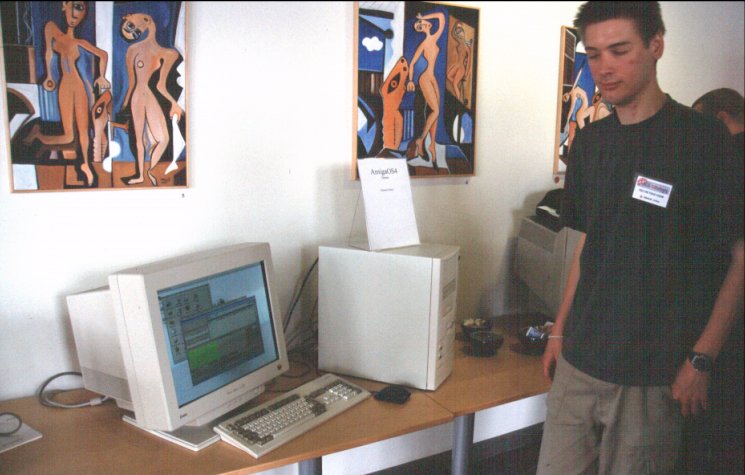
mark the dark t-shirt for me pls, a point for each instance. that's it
(740, 143)
(649, 272)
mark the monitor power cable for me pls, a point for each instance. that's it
(46, 397)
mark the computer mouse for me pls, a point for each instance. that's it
(393, 393)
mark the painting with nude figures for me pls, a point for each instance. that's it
(579, 101)
(95, 94)
(416, 86)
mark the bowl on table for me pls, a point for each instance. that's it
(483, 343)
(472, 325)
(533, 339)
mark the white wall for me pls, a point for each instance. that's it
(270, 138)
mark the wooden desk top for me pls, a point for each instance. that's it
(479, 383)
(96, 440)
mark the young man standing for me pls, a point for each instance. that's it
(656, 193)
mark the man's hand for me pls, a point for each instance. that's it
(550, 355)
(690, 389)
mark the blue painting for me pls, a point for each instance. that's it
(580, 101)
(416, 85)
(96, 94)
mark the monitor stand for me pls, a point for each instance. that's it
(192, 437)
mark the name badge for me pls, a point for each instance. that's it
(652, 191)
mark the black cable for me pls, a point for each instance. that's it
(300, 332)
(312, 325)
(288, 318)
(307, 336)
(18, 420)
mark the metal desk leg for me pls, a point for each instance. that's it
(310, 467)
(462, 441)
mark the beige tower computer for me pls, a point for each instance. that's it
(390, 315)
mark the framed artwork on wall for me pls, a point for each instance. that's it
(416, 68)
(95, 94)
(579, 101)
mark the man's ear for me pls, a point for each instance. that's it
(657, 45)
(727, 120)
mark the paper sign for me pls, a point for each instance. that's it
(389, 209)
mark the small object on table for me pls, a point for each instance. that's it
(472, 325)
(533, 339)
(483, 343)
(393, 393)
(14, 432)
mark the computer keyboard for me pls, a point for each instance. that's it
(263, 428)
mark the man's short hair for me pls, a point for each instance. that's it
(646, 16)
(722, 100)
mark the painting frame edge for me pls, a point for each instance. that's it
(557, 174)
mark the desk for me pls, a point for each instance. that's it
(96, 440)
(482, 383)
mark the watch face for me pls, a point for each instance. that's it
(701, 362)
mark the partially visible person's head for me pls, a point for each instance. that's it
(720, 102)
(646, 16)
(458, 31)
(135, 25)
(74, 12)
(422, 26)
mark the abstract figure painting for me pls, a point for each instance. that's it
(579, 101)
(95, 94)
(416, 85)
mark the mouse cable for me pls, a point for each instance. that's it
(46, 398)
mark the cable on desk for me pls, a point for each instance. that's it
(18, 419)
(46, 398)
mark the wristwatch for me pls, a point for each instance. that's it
(700, 361)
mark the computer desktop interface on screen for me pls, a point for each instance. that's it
(219, 329)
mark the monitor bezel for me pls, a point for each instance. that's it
(143, 339)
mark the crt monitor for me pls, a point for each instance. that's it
(185, 340)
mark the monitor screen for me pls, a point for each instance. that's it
(219, 328)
